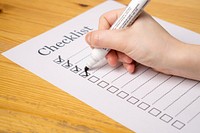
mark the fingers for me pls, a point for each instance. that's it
(112, 39)
(104, 38)
(129, 67)
(128, 62)
(107, 19)
(113, 57)
(124, 58)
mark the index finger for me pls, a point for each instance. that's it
(108, 19)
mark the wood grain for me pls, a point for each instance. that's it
(30, 104)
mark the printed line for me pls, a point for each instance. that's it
(134, 78)
(123, 74)
(187, 106)
(119, 77)
(110, 71)
(157, 87)
(193, 117)
(144, 83)
(181, 95)
(100, 68)
(82, 59)
(168, 92)
(79, 52)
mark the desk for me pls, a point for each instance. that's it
(30, 104)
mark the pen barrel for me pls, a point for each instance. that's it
(130, 14)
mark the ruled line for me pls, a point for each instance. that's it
(79, 52)
(156, 87)
(134, 78)
(187, 106)
(111, 71)
(168, 91)
(82, 59)
(123, 74)
(181, 96)
(119, 77)
(145, 82)
(100, 68)
(193, 117)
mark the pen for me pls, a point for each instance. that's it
(132, 11)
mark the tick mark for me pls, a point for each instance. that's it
(59, 58)
(86, 70)
(68, 64)
(76, 67)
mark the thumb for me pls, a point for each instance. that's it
(112, 39)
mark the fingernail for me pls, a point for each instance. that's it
(88, 38)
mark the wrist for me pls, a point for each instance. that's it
(173, 58)
(183, 60)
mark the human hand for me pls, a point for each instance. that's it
(145, 42)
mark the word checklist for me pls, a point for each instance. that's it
(146, 101)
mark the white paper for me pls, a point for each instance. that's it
(145, 102)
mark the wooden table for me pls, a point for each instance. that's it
(30, 104)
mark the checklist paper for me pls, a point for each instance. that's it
(145, 101)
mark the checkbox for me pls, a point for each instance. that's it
(84, 75)
(67, 65)
(93, 79)
(143, 106)
(166, 118)
(59, 60)
(132, 100)
(75, 69)
(154, 112)
(122, 94)
(177, 124)
(112, 89)
(103, 84)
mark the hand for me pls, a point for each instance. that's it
(145, 42)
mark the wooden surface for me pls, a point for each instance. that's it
(30, 104)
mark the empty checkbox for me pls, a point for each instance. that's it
(103, 84)
(143, 106)
(112, 89)
(154, 112)
(177, 124)
(166, 118)
(93, 79)
(132, 100)
(122, 94)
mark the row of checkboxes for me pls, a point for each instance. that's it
(122, 94)
(68, 65)
(144, 106)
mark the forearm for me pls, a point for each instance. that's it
(185, 61)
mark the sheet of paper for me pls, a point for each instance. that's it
(145, 102)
